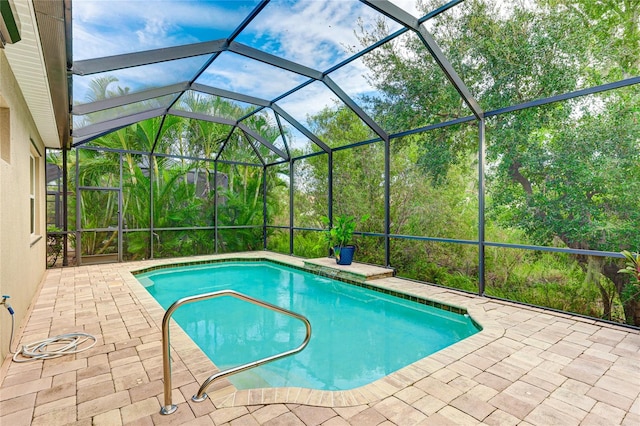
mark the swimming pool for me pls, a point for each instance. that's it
(359, 335)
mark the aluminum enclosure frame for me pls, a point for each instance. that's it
(214, 48)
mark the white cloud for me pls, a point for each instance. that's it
(110, 27)
(309, 32)
(308, 101)
(352, 78)
(410, 6)
(315, 33)
(318, 34)
(239, 74)
(143, 77)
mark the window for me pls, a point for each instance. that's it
(32, 192)
(5, 134)
(35, 192)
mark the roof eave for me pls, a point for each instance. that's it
(38, 62)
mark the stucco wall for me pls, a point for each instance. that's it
(22, 256)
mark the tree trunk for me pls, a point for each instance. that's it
(632, 312)
(514, 171)
(631, 307)
(594, 272)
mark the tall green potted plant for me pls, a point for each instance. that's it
(339, 237)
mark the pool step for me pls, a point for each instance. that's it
(269, 376)
(356, 271)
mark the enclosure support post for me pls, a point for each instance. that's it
(215, 206)
(387, 202)
(65, 210)
(151, 231)
(330, 192)
(78, 203)
(264, 207)
(291, 185)
(120, 219)
(481, 194)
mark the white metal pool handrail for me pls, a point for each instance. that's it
(168, 406)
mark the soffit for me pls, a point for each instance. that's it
(28, 66)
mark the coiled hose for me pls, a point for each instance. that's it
(52, 347)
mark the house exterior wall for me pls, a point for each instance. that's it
(22, 252)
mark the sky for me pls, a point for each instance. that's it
(315, 33)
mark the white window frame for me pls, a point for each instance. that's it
(32, 193)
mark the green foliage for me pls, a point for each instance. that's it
(631, 291)
(632, 264)
(278, 241)
(310, 188)
(183, 243)
(340, 126)
(241, 206)
(420, 206)
(556, 280)
(340, 234)
(564, 174)
(136, 246)
(309, 244)
(181, 191)
(371, 249)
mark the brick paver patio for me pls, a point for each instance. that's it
(527, 367)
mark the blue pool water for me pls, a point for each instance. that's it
(358, 335)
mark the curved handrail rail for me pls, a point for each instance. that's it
(168, 406)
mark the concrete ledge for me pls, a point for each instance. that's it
(356, 271)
